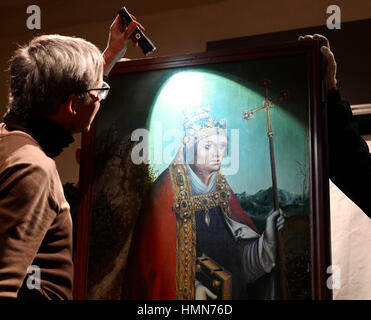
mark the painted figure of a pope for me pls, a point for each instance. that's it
(193, 227)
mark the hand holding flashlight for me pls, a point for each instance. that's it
(121, 31)
(145, 44)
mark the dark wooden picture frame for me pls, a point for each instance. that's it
(317, 150)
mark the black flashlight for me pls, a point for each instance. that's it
(145, 44)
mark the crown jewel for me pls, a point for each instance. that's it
(201, 123)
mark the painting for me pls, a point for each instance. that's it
(203, 178)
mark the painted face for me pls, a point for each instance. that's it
(210, 152)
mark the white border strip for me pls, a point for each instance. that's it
(361, 109)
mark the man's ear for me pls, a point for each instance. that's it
(70, 104)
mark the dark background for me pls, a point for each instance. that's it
(351, 48)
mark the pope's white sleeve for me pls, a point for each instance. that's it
(258, 258)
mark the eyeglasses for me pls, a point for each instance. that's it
(101, 92)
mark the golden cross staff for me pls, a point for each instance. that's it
(267, 105)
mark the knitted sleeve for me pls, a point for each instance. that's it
(26, 213)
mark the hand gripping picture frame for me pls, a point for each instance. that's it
(204, 176)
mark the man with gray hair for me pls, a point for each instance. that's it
(56, 86)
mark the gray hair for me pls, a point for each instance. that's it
(48, 69)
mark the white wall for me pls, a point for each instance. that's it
(350, 240)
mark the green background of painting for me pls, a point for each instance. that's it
(231, 88)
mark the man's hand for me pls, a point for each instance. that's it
(203, 293)
(275, 223)
(330, 75)
(118, 40)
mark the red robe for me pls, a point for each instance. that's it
(151, 267)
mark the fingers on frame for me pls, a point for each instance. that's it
(315, 36)
(320, 36)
